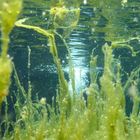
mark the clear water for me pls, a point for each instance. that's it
(87, 38)
(99, 23)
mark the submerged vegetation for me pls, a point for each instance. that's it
(71, 116)
(8, 14)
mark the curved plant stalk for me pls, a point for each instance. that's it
(63, 85)
(122, 44)
(71, 67)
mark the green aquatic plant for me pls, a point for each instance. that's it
(118, 19)
(73, 117)
(5, 73)
(9, 11)
(102, 118)
(63, 85)
(8, 15)
(64, 18)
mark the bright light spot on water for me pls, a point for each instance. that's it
(94, 9)
(46, 19)
(95, 22)
(43, 13)
(123, 2)
(67, 57)
(31, 11)
(135, 19)
(63, 61)
(93, 29)
(85, 2)
(81, 79)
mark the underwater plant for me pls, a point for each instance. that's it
(64, 18)
(9, 11)
(71, 117)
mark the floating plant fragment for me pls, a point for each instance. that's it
(64, 18)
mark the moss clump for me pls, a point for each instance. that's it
(71, 117)
(9, 11)
(5, 73)
(64, 18)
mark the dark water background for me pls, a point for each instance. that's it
(81, 42)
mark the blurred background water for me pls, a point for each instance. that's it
(96, 26)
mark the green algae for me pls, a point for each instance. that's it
(5, 73)
(103, 117)
(9, 11)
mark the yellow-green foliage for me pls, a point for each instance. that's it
(8, 14)
(101, 116)
(5, 73)
(64, 18)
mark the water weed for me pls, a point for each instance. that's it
(101, 114)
